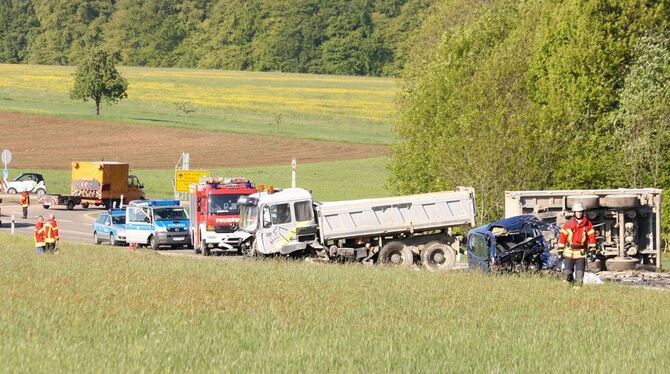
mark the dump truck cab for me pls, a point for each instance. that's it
(157, 223)
(282, 222)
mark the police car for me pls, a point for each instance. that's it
(157, 223)
(110, 227)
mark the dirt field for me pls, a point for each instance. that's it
(53, 143)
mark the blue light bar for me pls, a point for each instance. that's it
(155, 203)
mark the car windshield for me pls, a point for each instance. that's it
(162, 214)
(118, 220)
(249, 218)
(223, 204)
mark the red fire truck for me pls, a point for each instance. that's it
(215, 215)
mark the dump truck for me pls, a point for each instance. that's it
(99, 183)
(627, 221)
(402, 230)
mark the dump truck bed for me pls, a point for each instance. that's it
(413, 213)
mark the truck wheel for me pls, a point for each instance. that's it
(96, 240)
(112, 240)
(84, 205)
(204, 248)
(438, 257)
(621, 264)
(70, 205)
(588, 201)
(11, 191)
(153, 244)
(620, 201)
(396, 253)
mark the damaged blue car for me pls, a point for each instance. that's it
(514, 244)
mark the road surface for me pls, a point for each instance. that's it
(73, 225)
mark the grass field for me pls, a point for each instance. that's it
(339, 108)
(337, 180)
(98, 309)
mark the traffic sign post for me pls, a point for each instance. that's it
(6, 158)
(293, 171)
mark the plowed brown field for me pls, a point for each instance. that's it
(53, 143)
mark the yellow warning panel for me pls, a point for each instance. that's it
(184, 178)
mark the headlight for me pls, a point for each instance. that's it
(210, 228)
(122, 232)
(160, 229)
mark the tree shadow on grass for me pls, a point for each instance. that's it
(154, 120)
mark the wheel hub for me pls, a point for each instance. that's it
(396, 258)
(438, 258)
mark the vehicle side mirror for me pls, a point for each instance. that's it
(141, 185)
(108, 224)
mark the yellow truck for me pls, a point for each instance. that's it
(105, 183)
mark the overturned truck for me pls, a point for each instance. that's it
(627, 221)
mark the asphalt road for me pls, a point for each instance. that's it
(73, 225)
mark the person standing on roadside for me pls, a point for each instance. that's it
(51, 233)
(25, 203)
(577, 239)
(39, 235)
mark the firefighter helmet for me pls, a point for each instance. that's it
(577, 207)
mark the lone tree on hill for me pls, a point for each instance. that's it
(96, 78)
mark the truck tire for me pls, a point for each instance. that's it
(621, 264)
(438, 257)
(70, 205)
(96, 239)
(588, 201)
(11, 191)
(84, 205)
(620, 201)
(396, 253)
(152, 243)
(204, 248)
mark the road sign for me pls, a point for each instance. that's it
(6, 156)
(183, 178)
(5, 173)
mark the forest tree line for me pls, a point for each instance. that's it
(355, 37)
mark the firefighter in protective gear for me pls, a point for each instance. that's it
(51, 234)
(577, 237)
(25, 202)
(39, 235)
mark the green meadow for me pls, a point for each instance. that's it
(103, 309)
(338, 108)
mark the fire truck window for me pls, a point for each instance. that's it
(280, 213)
(224, 204)
(303, 211)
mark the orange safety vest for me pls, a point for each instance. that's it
(575, 235)
(51, 231)
(39, 235)
(25, 201)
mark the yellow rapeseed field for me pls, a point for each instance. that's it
(368, 99)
